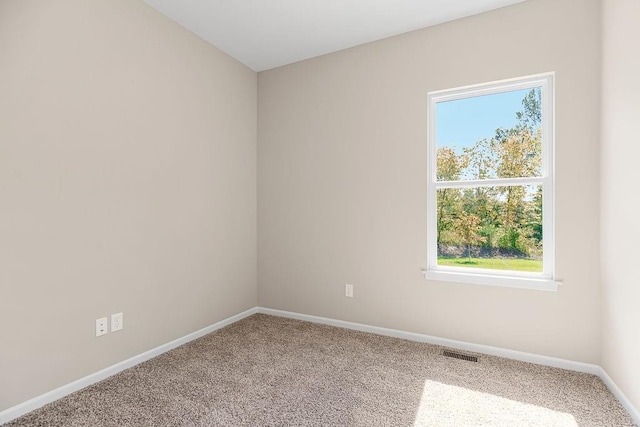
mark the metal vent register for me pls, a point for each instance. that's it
(461, 356)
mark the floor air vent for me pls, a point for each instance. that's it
(459, 356)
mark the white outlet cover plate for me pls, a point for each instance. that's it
(348, 290)
(117, 322)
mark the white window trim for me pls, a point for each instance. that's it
(537, 281)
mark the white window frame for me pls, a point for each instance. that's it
(505, 278)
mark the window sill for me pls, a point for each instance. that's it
(520, 282)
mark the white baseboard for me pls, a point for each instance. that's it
(38, 401)
(28, 406)
(622, 398)
(476, 348)
(460, 345)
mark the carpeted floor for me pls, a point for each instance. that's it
(271, 371)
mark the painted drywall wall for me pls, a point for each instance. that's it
(127, 184)
(620, 228)
(342, 173)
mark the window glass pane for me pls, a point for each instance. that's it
(498, 228)
(490, 136)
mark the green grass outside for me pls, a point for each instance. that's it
(516, 264)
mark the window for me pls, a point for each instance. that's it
(490, 184)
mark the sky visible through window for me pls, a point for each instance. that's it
(481, 116)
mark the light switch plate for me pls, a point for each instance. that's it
(101, 326)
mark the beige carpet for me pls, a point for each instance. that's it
(270, 371)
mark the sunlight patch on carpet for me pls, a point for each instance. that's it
(447, 405)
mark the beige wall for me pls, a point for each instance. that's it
(620, 227)
(342, 172)
(127, 183)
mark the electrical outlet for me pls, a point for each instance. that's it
(348, 290)
(101, 326)
(116, 322)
